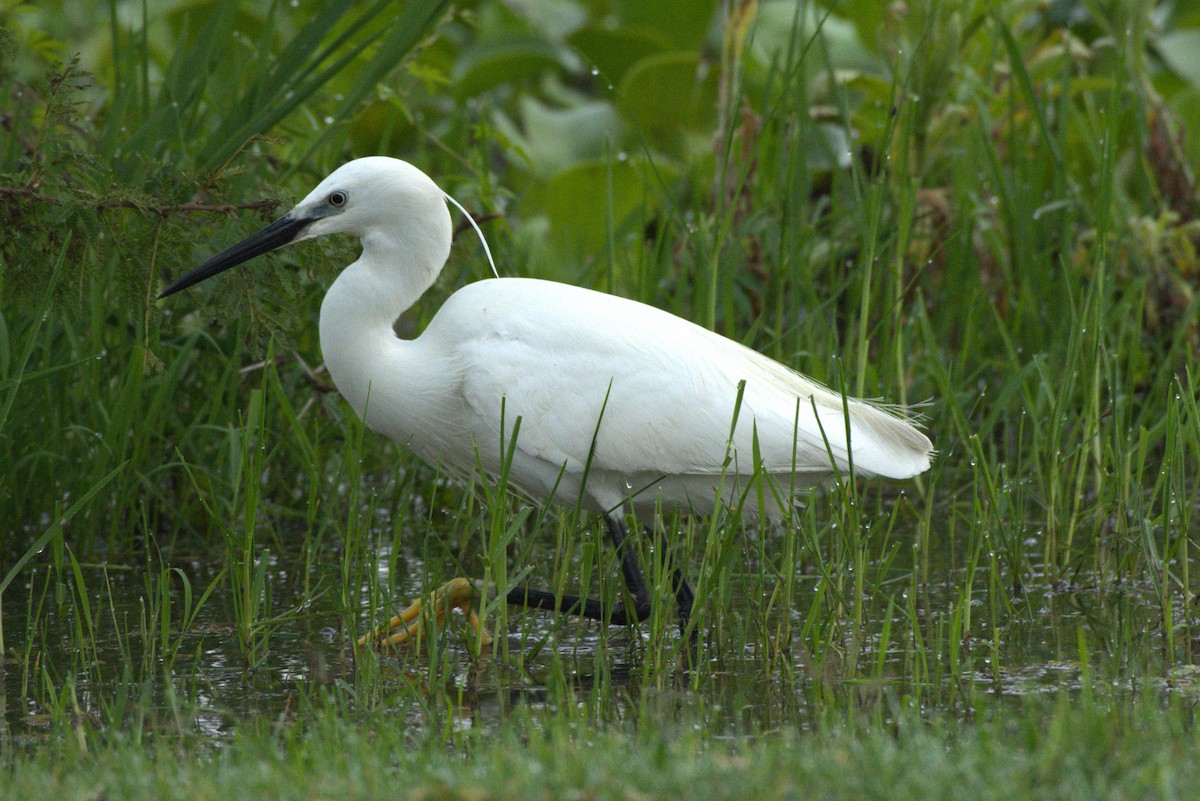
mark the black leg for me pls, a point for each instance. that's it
(591, 608)
(685, 599)
(635, 583)
(460, 593)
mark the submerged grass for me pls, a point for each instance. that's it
(198, 529)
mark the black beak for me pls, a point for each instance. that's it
(275, 235)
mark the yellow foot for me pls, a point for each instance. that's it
(454, 593)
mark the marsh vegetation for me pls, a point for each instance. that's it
(989, 210)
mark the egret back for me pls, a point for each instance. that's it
(622, 397)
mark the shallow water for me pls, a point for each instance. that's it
(1052, 636)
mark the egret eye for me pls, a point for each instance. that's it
(337, 199)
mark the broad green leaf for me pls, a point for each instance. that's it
(1181, 51)
(666, 94)
(552, 140)
(512, 60)
(779, 32)
(578, 201)
(381, 128)
(612, 51)
(683, 23)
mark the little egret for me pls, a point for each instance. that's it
(620, 405)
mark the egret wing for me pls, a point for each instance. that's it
(637, 390)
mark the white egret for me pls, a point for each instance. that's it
(621, 405)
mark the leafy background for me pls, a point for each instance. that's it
(752, 167)
(989, 206)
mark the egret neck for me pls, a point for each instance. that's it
(397, 265)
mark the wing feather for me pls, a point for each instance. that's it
(641, 391)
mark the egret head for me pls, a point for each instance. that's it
(373, 196)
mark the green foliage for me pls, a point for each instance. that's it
(1050, 751)
(990, 206)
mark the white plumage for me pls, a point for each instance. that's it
(558, 356)
(645, 398)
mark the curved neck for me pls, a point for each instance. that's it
(357, 339)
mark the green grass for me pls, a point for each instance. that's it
(1041, 751)
(197, 530)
